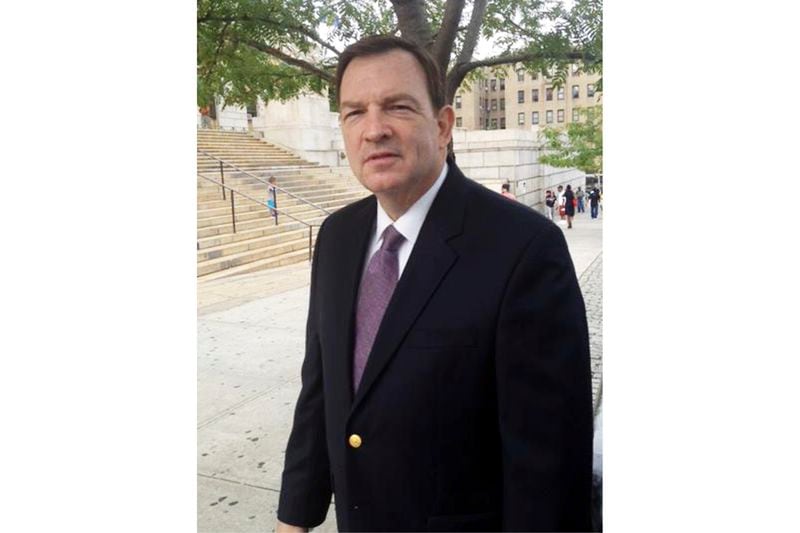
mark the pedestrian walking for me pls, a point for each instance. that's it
(569, 205)
(579, 194)
(594, 201)
(560, 202)
(549, 203)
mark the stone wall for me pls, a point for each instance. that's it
(304, 125)
(232, 117)
(494, 157)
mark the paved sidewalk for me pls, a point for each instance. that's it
(250, 347)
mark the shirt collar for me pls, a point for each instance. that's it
(410, 223)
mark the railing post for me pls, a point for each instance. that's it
(310, 229)
(233, 213)
(222, 177)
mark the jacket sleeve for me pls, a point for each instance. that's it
(544, 392)
(306, 487)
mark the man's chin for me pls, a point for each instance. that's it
(381, 183)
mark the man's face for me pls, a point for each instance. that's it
(395, 142)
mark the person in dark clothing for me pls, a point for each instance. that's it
(569, 206)
(430, 402)
(594, 201)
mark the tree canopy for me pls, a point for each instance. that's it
(579, 146)
(274, 49)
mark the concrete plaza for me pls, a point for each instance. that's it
(250, 347)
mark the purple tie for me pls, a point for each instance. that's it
(377, 286)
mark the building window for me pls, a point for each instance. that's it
(590, 89)
(520, 75)
(487, 104)
(520, 97)
(502, 84)
(493, 84)
(494, 104)
(535, 76)
(548, 94)
(560, 115)
(458, 101)
(502, 104)
(521, 119)
(535, 95)
(487, 123)
(549, 116)
(535, 117)
(576, 92)
(494, 123)
(576, 115)
(502, 123)
(560, 93)
(458, 121)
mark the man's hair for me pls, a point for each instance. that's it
(380, 44)
(505, 186)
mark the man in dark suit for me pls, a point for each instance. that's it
(446, 382)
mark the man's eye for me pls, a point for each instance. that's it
(400, 107)
(351, 114)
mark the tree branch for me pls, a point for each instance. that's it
(443, 45)
(413, 22)
(574, 55)
(473, 31)
(457, 74)
(275, 23)
(305, 65)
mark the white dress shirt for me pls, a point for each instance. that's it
(408, 225)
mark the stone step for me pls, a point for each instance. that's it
(261, 220)
(306, 191)
(248, 163)
(301, 212)
(250, 256)
(223, 213)
(207, 183)
(239, 145)
(243, 151)
(223, 207)
(264, 231)
(309, 193)
(272, 262)
(236, 247)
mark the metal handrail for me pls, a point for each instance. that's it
(262, 180)
(233, 211)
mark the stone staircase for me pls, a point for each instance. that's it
(258, 243)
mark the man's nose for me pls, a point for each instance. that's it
(376, 129)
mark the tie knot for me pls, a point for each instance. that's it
(392, 239)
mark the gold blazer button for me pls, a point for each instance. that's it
(354, 440)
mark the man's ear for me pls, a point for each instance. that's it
(445, 119)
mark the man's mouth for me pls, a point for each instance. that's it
(378, 157)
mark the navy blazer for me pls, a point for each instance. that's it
(474, 409)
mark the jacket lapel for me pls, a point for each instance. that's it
(429, 262)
